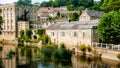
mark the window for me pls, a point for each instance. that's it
(62, 34)
(75, 34)
(52, 33)
(7, 21)
(8, 27)
(83, 34)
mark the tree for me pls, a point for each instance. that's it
(110, 5)
(24, 2)
(74, 17)
(22, 33)
(70, 7)
(40, 31)
(109, 27)
(28, 35)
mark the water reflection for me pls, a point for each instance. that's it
(19, 60)
(8, 56)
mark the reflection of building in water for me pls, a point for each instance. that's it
(87, 62)
(8, 59)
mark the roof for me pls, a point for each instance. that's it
(73, 25)
(94, 13)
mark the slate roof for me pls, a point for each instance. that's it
(93, 13)
(74, 25)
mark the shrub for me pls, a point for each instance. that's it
(1, 48)
(118, 55)
(62, 45)
(47, 51)
(89, 48)
(83, 48)
(22, 52)
(45, 39)
(41, 31)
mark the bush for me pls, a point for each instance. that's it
(83, 48)
(45, 39)
(56, 54)
(118, 55)
(41, 31)
(1, 48)
(47, 51)
(89, 48)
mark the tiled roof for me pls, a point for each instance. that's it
(94, 13)
(73, 25)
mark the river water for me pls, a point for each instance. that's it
(76, 61)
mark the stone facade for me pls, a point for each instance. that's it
(73, 34)
(11, 14)
(23, 25)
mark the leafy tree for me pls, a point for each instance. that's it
(110, 5)
(28, 35)
(22, 33)
(70, 7)
(40, 31)
(109, 27)
(45, 39)
(45, 4)
(74, 17)
(24, 2)
(96, 7)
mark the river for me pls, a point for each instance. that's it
(9, 61)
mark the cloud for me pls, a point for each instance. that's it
(7, 1)
(11, 1)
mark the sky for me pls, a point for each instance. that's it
(11, 1)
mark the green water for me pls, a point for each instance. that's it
(76, 62)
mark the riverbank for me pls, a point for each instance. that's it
(104, 55)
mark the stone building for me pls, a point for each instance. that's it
(12, 14)
(75, 33)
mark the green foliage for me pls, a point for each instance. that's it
(1, 48)
(89, 48)
(63, 54)
(47, 51)
(83, 47)
(40, 31)
(74, 17)
(11, 54)
(70, 7)
(58, 14)
(81, 8)
(22, 51)
(22, 33)
(118, 55)
(109, 5)
(29, 53)
(108, 27)
(45, 39)
(62, 46)
(28, 35)
(76, 3)
(96, 7)
(24, 2)
(51, 51)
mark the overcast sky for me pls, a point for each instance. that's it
(11, 1)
